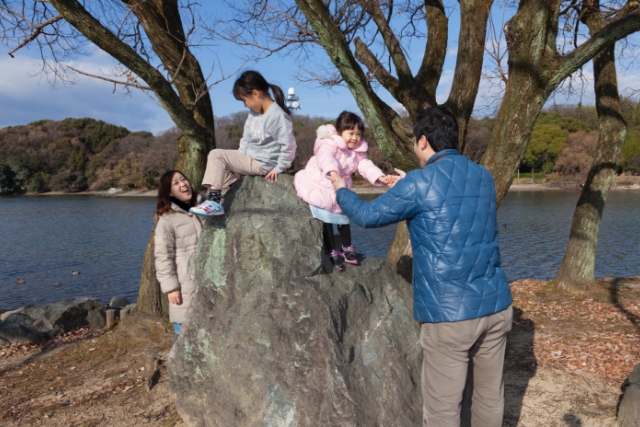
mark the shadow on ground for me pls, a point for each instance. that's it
(520, 366)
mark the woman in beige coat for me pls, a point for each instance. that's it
(176, 239)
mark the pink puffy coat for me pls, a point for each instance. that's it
(331, 152)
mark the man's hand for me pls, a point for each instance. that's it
(392, 179)
(338, 182)
(272, 176)
(175, 297)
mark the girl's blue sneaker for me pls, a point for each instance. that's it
(208, 208)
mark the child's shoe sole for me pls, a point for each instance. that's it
(206, 214)
(348, 261)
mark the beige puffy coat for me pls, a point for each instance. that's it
(176, 240)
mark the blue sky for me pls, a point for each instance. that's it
(26, 96)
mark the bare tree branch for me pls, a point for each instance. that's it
(132, 82)
(38, 29)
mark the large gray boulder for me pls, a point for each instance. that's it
(33, 323)
(19, 328)
(629, 411)
(276, 337)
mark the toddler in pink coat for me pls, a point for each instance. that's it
(338, 151)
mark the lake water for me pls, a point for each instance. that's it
(43, 238)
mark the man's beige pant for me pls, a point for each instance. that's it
(450, 351)
(224, 166)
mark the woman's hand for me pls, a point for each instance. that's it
(272, 176)
(175, 297)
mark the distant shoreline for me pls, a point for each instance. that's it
(357, 190)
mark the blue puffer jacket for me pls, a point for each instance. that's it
(450, 208)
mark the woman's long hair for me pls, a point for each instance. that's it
(253, 80)
(163, 200)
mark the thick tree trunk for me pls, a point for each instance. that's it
(151, 300)
(474, 15)
(400, 254)
(535, 71)
(577, 271)
(190, 108)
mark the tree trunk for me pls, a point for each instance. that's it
(190, 108)
(535, 71)
(400, 253)
(577, 271)
(151, 300)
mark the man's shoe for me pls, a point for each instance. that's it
(336, 259)
(349, 254)
(208, 208)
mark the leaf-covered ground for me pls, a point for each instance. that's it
(569, 354)
(89, 378)
(567, 358)
(598, 332)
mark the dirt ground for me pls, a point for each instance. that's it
(567, 358)
(90, 378)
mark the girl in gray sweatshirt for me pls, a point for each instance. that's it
(267, 147)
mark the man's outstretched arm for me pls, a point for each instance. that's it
(397, 204)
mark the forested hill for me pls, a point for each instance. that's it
(86, 154)
(81, 154)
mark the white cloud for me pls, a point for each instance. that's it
(444, 86)
(25, 98)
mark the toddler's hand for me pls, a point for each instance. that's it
(392, 179)
(272, 176)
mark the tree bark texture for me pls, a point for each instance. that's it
(474, 15)
(535, 70)
(163, 26)
(188, 105)
(400, 254)
(577, 271)
(151, 300)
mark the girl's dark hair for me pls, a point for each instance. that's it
(347, 121)
(163, 200)
(253, 80)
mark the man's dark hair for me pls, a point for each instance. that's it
(439, 126)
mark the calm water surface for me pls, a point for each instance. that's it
(43, 238)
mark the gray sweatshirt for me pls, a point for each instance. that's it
(268, 138)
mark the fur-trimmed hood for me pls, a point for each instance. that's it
(331, 153)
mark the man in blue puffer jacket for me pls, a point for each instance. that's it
(461, 294)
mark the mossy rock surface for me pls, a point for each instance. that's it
(276, 337)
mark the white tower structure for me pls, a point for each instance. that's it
(291, 101)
